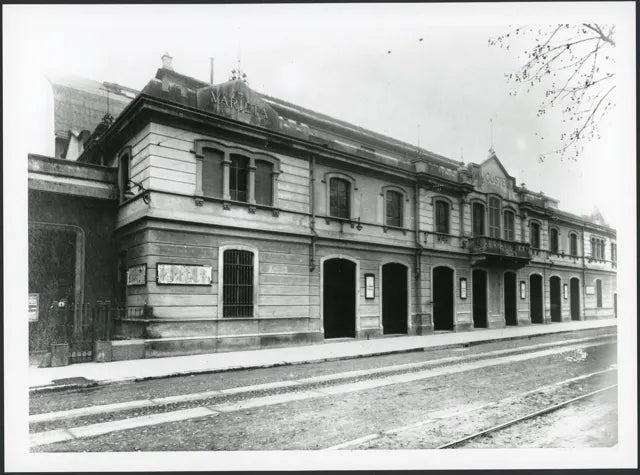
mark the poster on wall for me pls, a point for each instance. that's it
(137, 275)
(369, 286)
(33, 307)
(463, 288)
(183, 274)
(590, 290)
(565, 290)
(523, 290)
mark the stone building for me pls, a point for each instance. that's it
(241, 221)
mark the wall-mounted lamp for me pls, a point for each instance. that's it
(146, 194)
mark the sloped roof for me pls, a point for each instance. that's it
(80, 103)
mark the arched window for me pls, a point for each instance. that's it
(534, 238)
(442, 217)
(212, 173)
(494, 217)
(553, 240)
(598, 293)
(478, 219)
(394, 208)
(509, 226)
(573, 244)
(339, 198)
(125, 175)
(238, 283)
(264, 183)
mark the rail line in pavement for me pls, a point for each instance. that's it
(290, 384)
(91, 430)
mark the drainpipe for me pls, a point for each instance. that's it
(312, 221)
(584, 282)
(417, 273)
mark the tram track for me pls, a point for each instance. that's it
(526, 417)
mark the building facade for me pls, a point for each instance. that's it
(243, 222)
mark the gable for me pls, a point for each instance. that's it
(491, 177)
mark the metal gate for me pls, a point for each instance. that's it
(87, 323)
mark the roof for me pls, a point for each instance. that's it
(80, 104)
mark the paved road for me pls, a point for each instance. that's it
(409, 400)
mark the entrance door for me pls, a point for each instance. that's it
(535, 294)
(510, 299)
(574, 284)
(52, 275)
(555, 299)
(339, 299)
(479, 298)
(394, 298)
(442, 298)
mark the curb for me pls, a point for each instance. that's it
(92, 383)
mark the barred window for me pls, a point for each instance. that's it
(212, 173)
(494, 217)
(553, 240)
(394, 208)
(598, 293)
(339, 198)
(264, 183)
(442, 217)
(478, 219)
(237, 292)
(509, 226)
(573, 244)
(238, 173)
(534, 229)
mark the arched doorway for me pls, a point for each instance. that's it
(574, 284)
(339, 298)
(555, 299)
(479, 278)
(442, 298)
(510, 299)
(535, 295)
(394, 299)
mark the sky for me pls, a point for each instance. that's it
(361, 63)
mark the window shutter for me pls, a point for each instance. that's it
(264, 183)
(212, 173)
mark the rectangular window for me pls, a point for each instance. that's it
(553, 240)
(212, 173)
(509, 226)
(478, 219)
(573, 242)
(494, 217)
(614, 253)
(394, 208)
(238, 178)
(339, 199)
(237, 292)
(264, 183)
(593, 248)
(442, 217)
(535, 235)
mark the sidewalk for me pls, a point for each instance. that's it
(41, 378)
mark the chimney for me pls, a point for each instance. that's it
(167, 62)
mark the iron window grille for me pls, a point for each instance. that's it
(237, 292)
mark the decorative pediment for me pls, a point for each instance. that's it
(235, 100)
(491, 177)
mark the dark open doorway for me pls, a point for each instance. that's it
(574, 284)
(555, 299)
(394, 299)
(535, 296)
(510, 299)
(339, 299)
(479, 278)
(442, 298)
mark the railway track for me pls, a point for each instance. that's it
(518, 420)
